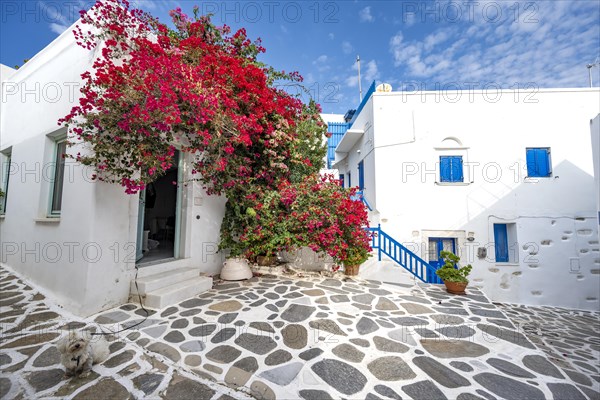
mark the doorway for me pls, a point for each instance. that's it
(158, 218)
(436, 245)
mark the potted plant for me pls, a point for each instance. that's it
(454, 278)
(354, 258)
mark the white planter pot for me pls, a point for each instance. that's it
(236, 269)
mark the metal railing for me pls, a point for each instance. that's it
(336, 131)
(385, 244)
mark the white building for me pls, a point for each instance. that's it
(504, 178)
(595, 131)
(80, 239)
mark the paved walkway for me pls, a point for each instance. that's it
(312, 338)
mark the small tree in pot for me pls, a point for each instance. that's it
(454, 278)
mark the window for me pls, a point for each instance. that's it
(342, 180)
(58, 177)
(451, 169)
(504, 241)
(361, 175)
(5, 170)
(538, 162)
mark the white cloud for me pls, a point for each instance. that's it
(369, 72)
(331, 36)
(347, 48)
(58, 28)
(551, 52)
(365, 15)
(320, 59)
(321, 63)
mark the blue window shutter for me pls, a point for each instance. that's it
(531, 163)
(501, 242)
(342, 180)
(349, 179)
(457, 169)
(361, 175)
(542, 161)
(451, 169)
(445, 169)
(538, 163)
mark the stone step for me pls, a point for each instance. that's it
(172, 294)
(162, 279)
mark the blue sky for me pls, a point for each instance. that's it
(427, 45)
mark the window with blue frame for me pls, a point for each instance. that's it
(451, 169)
(501, 242)
(342, 180)
(538, 162)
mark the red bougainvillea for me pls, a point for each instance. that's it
(200, 89)
(316, 212)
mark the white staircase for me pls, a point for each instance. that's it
(166, 288)
(387, 271)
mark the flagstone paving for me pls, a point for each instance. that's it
(309, 337)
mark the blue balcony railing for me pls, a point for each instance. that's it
(414, 264)
(336, 131)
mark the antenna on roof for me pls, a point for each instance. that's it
(359, 84)
(589, 67)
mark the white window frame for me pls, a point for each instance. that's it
(57, 141)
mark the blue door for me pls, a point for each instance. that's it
(436, 245)
(501, 242)
(361, 175)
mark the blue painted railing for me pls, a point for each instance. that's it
(336, 131)
(414, 264)
(364, 101)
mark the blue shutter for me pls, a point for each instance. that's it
(543, 162)
(342, 180)
(361, 175)
(501, 242)
(456, 168)
(451, 169)
(538, 163)
(349, 179)
(445, 169)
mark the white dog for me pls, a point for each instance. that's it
(80, 350)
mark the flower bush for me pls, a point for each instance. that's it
(198, 88)
(201, 89)
(316, 212)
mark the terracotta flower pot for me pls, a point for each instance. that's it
(266, 261)
(455, 287)
(351, 270)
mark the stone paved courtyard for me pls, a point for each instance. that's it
(311, 337)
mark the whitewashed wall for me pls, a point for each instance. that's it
(556, 259)
(595, 131)
(84, 259)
